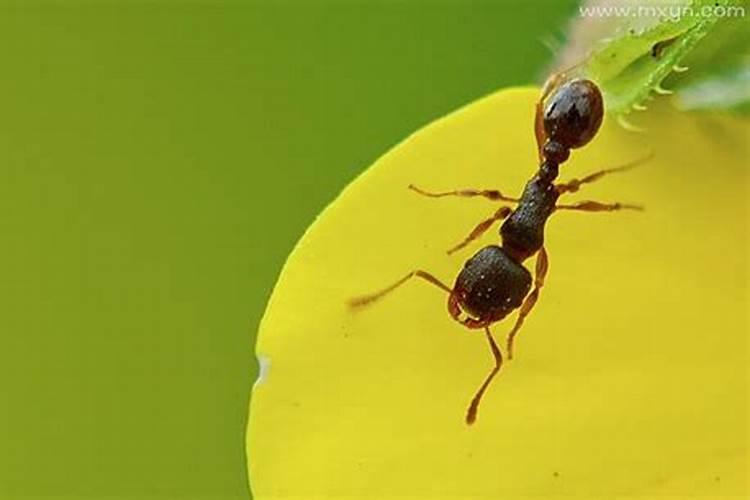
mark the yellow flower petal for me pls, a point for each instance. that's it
(630, 377)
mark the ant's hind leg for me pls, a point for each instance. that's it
(539, 133)
(482, 228)
(595, 206)
(471, 414)
(368, 299)
(574, 185)
(490, 194)
(542, 265)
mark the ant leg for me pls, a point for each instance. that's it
(482, 227)
(471, 414)
(554, 81)
(368, 299)
(595, 206)
(490, 194)
(558, 77)
(539, 133)
(542, 265)
(574, 184)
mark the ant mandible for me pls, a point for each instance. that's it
(493, 282)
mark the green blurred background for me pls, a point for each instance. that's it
(158, 161)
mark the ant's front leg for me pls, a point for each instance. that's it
(365, 300)
(595, 206)
(490, 194)
(542, 266)
(482, 228)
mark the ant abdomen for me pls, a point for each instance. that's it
(573, 114)
(491, 285)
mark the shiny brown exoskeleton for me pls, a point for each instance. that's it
(493, 283)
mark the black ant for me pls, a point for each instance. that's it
(493, 282)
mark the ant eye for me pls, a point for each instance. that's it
(574, 113)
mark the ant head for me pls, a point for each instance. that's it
(490, 285)
(573, 113)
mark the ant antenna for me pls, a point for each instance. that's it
(471, 414)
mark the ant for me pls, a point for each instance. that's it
(493, 283)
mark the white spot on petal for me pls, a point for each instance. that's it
(264, 366)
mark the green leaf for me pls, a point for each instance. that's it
(646, 49)
(719, 76)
